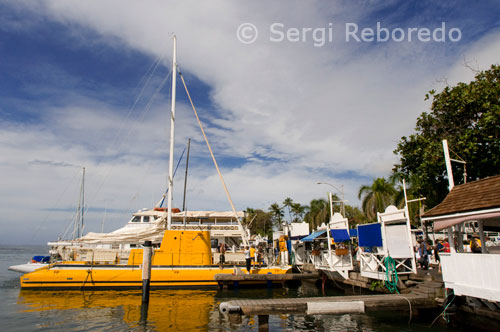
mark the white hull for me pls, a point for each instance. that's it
(26, 268)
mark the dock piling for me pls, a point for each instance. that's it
(146, 271)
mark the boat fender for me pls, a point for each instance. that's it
(227, 308)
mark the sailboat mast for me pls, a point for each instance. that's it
(78, 225)
(185, 182)
(172, 130)
(82, 211)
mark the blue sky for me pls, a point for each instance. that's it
(281, 116)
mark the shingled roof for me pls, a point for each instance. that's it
(473, 196)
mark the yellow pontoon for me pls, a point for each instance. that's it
(184, 260)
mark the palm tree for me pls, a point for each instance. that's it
(298, 211)
(288, 203)
(376, 197)
(277, 213)
(319, 212)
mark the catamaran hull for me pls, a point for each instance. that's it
(130, 277)
(27, 268)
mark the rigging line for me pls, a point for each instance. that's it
(146, 109)
(143, 115)
(175, 171)
(146, 84)
(245, 241)
(49, 213)
(132, 108)
(154, 64)
(136, 101)
(456, 154)
(150, 102)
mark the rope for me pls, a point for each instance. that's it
(443, 313)
(409, 303)
(245, 241)
(391, 275)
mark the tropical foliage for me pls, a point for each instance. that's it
(259, 222)
(376, 197)
(468, 116)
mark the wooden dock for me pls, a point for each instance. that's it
(226, 280)
(329, 305)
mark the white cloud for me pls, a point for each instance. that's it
(316, 112)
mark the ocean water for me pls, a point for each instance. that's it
(169, 310)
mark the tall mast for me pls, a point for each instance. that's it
(83, 202)
(185, 182)
(172, 130)
(78, 225)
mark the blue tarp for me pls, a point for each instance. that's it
(41, 259)
(340, 235)
(370, 235)
(353, 232)
(312, 236)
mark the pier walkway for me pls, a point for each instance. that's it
(226, 280)
(329, 305)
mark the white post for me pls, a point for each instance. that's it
(172, 130)
(343, 201)
(447, 160)
(146, 270)
(331, 205)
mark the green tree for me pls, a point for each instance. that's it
(259, 222)
(354, 215)
(298, 212)
(277, 214)
(318, 213)
(288, 202)
(376, 197)
(468, 116)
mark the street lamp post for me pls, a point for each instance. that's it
(340, 191)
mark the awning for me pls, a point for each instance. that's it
(353, 232)
(370, 235)
(312, 236)
(340, 235)
(445, 223)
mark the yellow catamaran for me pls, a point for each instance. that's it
(183, 260)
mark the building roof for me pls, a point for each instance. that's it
(478, 195)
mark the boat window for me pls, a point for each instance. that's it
(136, 219)
(145, 219)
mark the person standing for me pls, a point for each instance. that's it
(248, 258)
(422, 250)
(439, 248)
(222, 255)
(253, 255)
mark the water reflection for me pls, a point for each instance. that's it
(181, 310)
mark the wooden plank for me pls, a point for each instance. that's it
(372, 303)
(266, 277)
